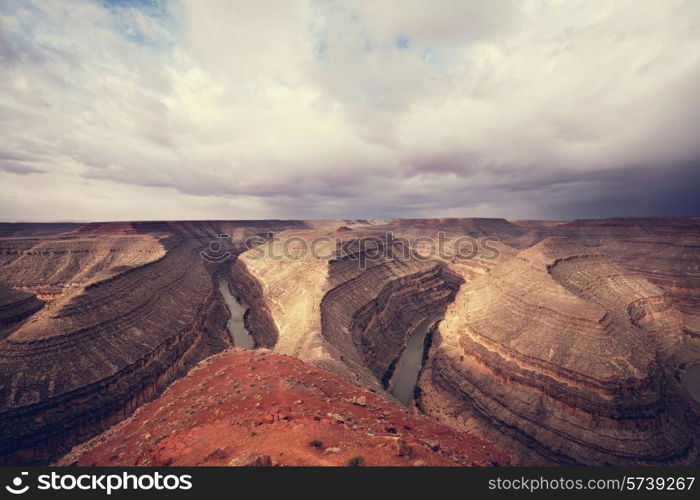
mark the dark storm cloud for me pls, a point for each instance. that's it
(663, 191)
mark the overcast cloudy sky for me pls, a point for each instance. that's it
(192, 109)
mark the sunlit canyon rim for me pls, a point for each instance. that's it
(556, 343)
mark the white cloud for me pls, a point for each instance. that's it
(345, 108)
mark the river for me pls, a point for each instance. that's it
(405, 376)
(240, 336)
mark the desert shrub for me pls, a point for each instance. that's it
(356, 461)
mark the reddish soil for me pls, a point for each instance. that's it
(254, 407)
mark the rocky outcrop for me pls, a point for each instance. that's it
(336, 307)
(665, 250)
(562, 355)
(368, 313)
(57, 266)
(103, 353)
(130, 307)
(245, 408)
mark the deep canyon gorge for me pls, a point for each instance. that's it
(554, 343)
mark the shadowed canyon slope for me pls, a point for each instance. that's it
(562, 342)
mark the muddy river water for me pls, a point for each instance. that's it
(241, 337)
(405, 376)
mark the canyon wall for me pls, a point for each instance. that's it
(565, 357)
(15, 306)
(335, 308)
(129, 307)
(88, 361)
(369, 313)
(666, 251)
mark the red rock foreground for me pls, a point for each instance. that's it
(257, 408)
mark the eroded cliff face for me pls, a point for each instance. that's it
(368, 314)
(129, 309)
(565, 357)
(666, 253)
(61, 266)
(15, 306)
(665, 250)
(336, 309)
(91, 358)
(559, 348)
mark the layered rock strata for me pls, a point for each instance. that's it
(368, 314)
(563, 356)
(52, 267)
(665, 250)
(334, 307)
(129, 307)
(15, 306)
(94, 357)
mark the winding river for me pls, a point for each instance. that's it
(240, 336)
(405, 376)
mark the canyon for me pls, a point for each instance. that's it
(562, 342)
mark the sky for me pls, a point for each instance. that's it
(232, 109)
